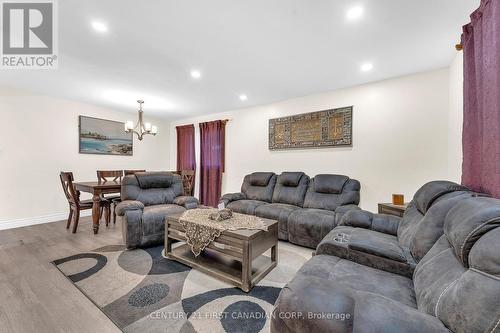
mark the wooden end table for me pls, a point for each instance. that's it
(235, 257)
(391, 209)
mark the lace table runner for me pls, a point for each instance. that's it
(201, 231)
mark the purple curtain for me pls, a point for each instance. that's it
(186, 158)
(212, 144)
(481, 129)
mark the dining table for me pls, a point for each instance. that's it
(97, 189)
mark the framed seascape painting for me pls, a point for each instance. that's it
(104, 137)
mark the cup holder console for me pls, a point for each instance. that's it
(341, 238)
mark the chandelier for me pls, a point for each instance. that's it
(141, 128)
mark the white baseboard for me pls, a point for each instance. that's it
(27, 221)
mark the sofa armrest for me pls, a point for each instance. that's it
(230, 197)
(381, 314)
(387, 224)
(340, 211)
(132, 228)
(128, 205)
(345, 208)
(186, 201)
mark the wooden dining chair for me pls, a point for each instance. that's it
(132, 172)
(111, 175)
(75, 204)
(188, 181)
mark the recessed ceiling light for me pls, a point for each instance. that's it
(195, 74)
(243, 97)
(367, 67)
(354, 13)
(99, 26)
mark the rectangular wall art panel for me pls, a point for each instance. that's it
(105, 137)
(328, 128)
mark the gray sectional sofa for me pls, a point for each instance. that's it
(455, 286)
(306, 209)
(147, 198)
(392, 243)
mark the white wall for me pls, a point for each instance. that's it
(400, 138)
(456, 118)
(39, 138)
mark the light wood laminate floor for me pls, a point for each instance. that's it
(34, 295)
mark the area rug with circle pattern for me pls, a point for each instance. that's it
(142, 291)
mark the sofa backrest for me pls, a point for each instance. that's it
(331, 191)
(428, 195)
(259, 186)
(421, 236)
(291, 188)
(152, 188)
(458, 280)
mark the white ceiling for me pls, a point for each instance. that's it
(269, 50)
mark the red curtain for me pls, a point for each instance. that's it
(212, 144)
(481, 129)
(186, 159)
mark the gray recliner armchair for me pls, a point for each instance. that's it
(147, 199)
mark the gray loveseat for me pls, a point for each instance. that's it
(392, 243)
(147, 198)
(306, 209)
(455, 287)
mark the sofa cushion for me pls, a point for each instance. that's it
(256, 191)
(458, 280)
(414, 225)
(155, 179)
(307, 227)
(376, 243)
(350, 275)
(425, 233)
(369, 248)
(330, 184)
(245, 206)
(428, 193)
(260, 178)
(279, 212)
(291, 188)
(326, 198)
(290, 178)
(153, 217)
(305, 299)
(150, 191)
(468, 222)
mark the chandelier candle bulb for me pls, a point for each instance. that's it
(147, 126)
(129, 125)
(154, 129)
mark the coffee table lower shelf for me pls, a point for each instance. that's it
(236, 256)
(222, 267)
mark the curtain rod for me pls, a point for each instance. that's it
(223, 120)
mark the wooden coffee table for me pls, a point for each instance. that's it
(235, 257)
